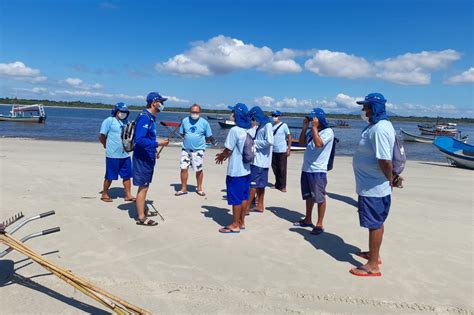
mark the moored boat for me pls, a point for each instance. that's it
(409, 137)
(458, 153)
(295, 146)
(226, 124)
(17, 114)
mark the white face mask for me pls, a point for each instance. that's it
(276, 119)
(364, 117)
(122, 116)
(232, 117)
(161, 107)
(195, 116)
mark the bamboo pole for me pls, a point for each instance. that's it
(67, 276)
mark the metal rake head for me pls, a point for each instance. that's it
(13, 219)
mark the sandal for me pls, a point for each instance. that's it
(201, 193)
(106, 199)
(146, 221)
(151, 214)
(180, 193)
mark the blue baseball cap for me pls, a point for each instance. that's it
(319, 113)
(276, 113)
(373, 98)
(155, 96)
(120, 107)
(239, 107)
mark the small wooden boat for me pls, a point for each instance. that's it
(295, 146)
(226, 124)
(409, 137)
(458, 153)
(216, 117)
(18, 114)
(340, 124)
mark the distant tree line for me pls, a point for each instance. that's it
(220, 111)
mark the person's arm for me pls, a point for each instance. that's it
(318, 142)
(387, 168)
(267, 140)
(209, 137)
(102, 139)
(141, 131)
(302, 139)
(224, 155)
(289, 140)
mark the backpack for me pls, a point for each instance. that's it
(128, 134)
(399, 157)
(248, 153)
(333, 153)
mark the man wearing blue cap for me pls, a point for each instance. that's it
(281, 150)
(144, 153)
(238, 172)
(117, 160)
(318, 139)
(262, 135)
(372, 163)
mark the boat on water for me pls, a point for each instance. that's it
(438, 129)
(459, 154)
(19, 113)
(409, 137)
(215, 117)
(340, 124)
(295, 146)
(226, 124)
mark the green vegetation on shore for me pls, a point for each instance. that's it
(216, 111)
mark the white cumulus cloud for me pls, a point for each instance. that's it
(465, 77)
(264, 101)
(19, 71)
(338, 64)
(79, 84)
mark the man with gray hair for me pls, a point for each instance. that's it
(195, 131)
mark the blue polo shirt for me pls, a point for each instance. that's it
(235, 142)
(195, 133)
(316, 159)
(263, 145)
(280, 143)
(112, 128)
(145, 137)
(376, 143)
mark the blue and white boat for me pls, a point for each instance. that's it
(458, 153)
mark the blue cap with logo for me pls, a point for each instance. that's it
(276, 113)
(319, 113)
(120, 107)
(373, 98)
(241, 114)
(155, 96)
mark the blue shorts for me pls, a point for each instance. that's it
(238, 189)
(373, 211)
(115, 167)
(142, 171)
(313, 185)
(258, 177)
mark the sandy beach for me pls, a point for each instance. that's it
(185, 266)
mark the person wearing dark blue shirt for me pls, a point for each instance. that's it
(144, 153)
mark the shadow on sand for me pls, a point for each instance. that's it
(131, 208)
(331, 244)
(178, 187)
(285, 214)
(349, 200)
(221, 216)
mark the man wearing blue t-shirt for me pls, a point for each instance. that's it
(144, 153)
(238, 172)
(262, 135)
(281, 150)
(195, 131)
(372, 163)
(318, 139)
(117, 160)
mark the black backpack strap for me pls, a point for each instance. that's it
(275, 131)
(258, 128)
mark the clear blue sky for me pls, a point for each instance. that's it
(291, 55)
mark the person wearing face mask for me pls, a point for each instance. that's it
(372, 164)
(262, 134)
(318, 139)
(195, 131)
(117, 160)
(281, 150)
(144, 153)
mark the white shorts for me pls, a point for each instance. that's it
(195, 159)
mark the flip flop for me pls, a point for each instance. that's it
(302, 224)
(151, 214)
(227, 230)
(367, 273)
(201, 193)
(365, 255)
(130, 199)
(180, 193)
(146, 222)
(317, 230)
(106, 199)
(256, 211)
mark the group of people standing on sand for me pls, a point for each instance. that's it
(252, 146)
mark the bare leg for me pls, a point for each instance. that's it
(260, 198)
(321, 211)
(236, 218)
(184, 180)
(199, 177)
(105, 190)
(242, 214)
(309, 211)
(140, 203)
(249, 202)
(375, 241)
(128, 189)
